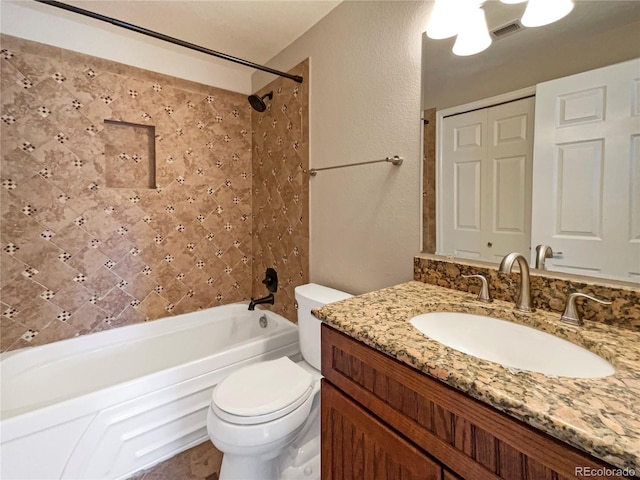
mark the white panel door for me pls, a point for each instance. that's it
(486, 181)
(586, 179)
(464, 152)
(508, 179)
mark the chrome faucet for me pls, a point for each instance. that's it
(542, 253)
(570, 314)
(523, 303)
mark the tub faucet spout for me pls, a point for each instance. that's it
(523, 303)
(268, 299)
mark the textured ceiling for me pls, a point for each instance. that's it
(254, 30)
(588, 19)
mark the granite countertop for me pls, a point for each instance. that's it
(598, 416)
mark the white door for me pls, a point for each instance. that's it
(586, 178)
(464, 149)
(486, 180)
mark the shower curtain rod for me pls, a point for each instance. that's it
(166, 38)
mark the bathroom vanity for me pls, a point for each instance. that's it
(396, 404)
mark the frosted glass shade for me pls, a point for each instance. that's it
(544, 12)
(444, 20)
(474, 35)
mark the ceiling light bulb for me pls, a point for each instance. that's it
(544, 12)
(474, 34)
(444, 19)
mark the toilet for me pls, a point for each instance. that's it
(265, 417)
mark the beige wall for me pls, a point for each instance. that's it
(364, 105)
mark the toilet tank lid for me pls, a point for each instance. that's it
(319, 294)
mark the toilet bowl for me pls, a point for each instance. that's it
(264, 417)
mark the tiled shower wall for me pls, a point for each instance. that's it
(87, 244)
(281, 189)
(429, 182)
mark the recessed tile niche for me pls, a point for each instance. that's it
(129, 155)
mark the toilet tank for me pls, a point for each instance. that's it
(308, 297)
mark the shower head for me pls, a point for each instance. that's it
(258, 102)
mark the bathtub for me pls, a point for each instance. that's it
(106, 405)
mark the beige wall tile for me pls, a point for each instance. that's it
(54, 331)
(37, 314)
(280, 194)
(86, 318)
(154, 306)
(11, 331)
(55, 183)
(92, 245)
(72, 296)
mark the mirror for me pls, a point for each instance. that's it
(595, 34)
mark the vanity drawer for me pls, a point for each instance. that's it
(470, 438)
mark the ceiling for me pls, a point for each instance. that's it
(254, 30)
(589, 17)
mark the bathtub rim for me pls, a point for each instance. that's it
(47, 416)
(161, 325)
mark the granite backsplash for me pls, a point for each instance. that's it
(549, 291)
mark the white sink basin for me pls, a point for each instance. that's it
(511, 345)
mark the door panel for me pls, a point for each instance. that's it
(486, 181)
(508, 200)
(586, 176)
(579, 189)
(464, 148)
(508, 179)
(466, 196)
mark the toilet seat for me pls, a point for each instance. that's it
(262, 392)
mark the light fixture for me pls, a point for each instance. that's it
(467, 20)
(443, 22)
(474, 34)
(544, 12)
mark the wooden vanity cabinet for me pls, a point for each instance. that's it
(382, 419)
(361, 447)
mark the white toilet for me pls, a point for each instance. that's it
(265, 417)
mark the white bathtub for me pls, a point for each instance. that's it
(106, 405)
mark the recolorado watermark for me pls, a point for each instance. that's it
(604, 472)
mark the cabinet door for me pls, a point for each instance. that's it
(461, 433)
(356, 445)
(447, 475)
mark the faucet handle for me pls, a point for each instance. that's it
(570, 314)
(483, 295)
